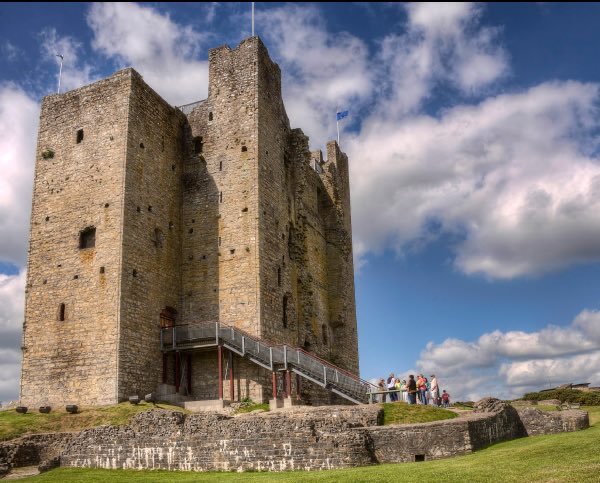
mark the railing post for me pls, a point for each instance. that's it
(288, 384)
(174, 337)
(325, 375)
(231, 376)
(217, 332)
(243, 345)
(336, 376)
(220, 369)
(274, 381)
(271, 357)
(177, 369)
(232, 334)
(285, 356)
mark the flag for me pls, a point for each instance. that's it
(341, 115)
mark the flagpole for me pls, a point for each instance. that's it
(59, 71)
(252, 19)
(337, 124)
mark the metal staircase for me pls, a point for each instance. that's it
(269, 356)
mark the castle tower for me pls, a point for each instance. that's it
(143, 216)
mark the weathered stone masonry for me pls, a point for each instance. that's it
(296, 439)
(222, 214)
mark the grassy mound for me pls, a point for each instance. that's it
(558, 457)
(402, 413)
(13, 425)
(251, 406)
(566, 395)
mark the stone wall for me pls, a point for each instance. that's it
(150, 270)
(300, 438)
(79, 184)
(487, 424)
(296, 440)
(32, 450)
(550, 422)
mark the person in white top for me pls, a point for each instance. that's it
(435, 391)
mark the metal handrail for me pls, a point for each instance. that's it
(188, 108)
(269, 355)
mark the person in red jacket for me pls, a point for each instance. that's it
(422, 388)
(445, 399)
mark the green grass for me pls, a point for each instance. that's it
(545, 408)
(567, 457)
(462, 406)
(13, 425)
(252, 407)
(402, 413)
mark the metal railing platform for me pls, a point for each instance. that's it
(274, 357)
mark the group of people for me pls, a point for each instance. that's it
(413, 391)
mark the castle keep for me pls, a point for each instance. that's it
(153, 226)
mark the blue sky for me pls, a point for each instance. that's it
(473, 139)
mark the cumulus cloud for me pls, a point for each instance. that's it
(512, 177)
(12, 300)
(18, 128)
(441, 44)
(164, 52)
(507, 364)
(323, 71)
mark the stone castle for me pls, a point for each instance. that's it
(148, 218)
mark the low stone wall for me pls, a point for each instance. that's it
(491, 421)
(32, 450)
(301, 438)
(550, 422)
(295, 439)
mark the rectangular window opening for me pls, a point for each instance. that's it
(87, 238)
(79, 135)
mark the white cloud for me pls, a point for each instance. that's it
(10, 51)
(18, 128)
(322, 71)
(511, 175)
(442, 44)
(12, 300)
(507, 364)
(75, 71)
(164, 52)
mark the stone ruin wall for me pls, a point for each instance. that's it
(293, 439)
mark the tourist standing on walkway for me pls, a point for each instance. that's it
(419, 382)
(412, 390)
(435, 391)
(404, 390)
(422, 387)
(381, 386)
(445, 399)
(391, 386)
